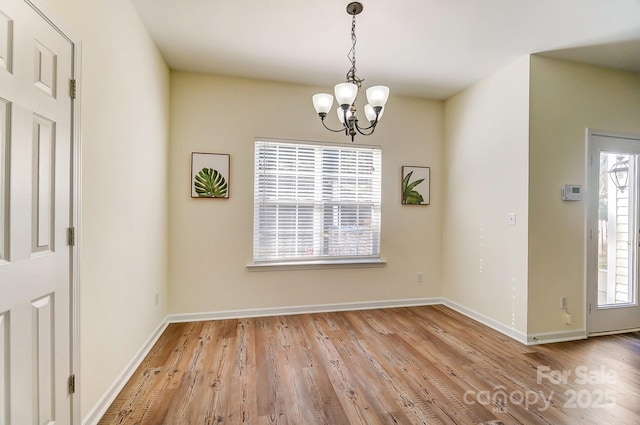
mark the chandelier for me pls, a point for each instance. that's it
(347, 92)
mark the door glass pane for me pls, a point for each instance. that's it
(617, 229)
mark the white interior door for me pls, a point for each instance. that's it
(36, 65)
(613, 220)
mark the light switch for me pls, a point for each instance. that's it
(511, 219)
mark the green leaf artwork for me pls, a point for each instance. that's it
(409, 195)
(209, 183)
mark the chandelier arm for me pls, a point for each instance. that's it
(330, 129)
(371, 126)
(363, 131)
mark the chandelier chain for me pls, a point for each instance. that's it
(351, 74)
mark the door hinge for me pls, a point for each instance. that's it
(72, 384)
(71, 236)
(72, 88)
(589, 308)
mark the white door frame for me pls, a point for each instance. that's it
(592, 219)
(76, 158)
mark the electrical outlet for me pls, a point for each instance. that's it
(563, 303)
(419, 278)
(567, 318)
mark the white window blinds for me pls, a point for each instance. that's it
(316, 202)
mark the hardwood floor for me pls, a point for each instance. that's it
(418, 365)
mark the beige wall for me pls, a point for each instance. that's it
(211, 240)
(566, 99)
(125, 115)
(486, 177)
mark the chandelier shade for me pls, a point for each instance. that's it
(370, 113)
(322, 102)
(377, 95)
(342, 113)
(347, 92)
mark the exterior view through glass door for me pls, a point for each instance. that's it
(612, 276)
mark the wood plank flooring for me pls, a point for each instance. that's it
(417, 365)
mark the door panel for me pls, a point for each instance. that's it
(612, 278)
(6, 43)
(44, 75)
(43, 175)
(5, 109)
(35, 211)
(43, 320)
(4, 368)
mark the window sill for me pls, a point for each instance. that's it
(316, 265)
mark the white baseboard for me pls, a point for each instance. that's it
(304, 309)
(616, 332)
(487, 321)
(94, 416)
(549, 337)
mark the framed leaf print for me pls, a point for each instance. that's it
(209, 175)
(415, 185)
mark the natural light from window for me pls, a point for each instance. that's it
(316, 202)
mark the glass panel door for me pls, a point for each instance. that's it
(612, 237)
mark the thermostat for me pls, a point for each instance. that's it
(571, 192)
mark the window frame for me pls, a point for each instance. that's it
(298, 261)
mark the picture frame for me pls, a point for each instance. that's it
(416, 184)
(210, 173)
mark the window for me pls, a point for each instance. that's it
(316, 202)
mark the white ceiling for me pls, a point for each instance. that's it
(426, 48)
